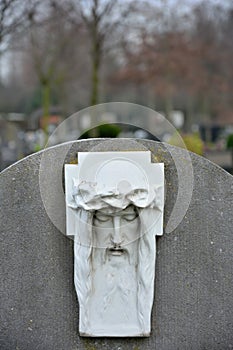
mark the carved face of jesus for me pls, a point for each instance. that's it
(117, 231)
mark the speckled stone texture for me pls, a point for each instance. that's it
(193, 306)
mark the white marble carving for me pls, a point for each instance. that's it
(114, 210)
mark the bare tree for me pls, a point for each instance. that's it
(50, 44)
(12, 18)
(101, 18)
(188, 66)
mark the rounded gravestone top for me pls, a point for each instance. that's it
(193, 300)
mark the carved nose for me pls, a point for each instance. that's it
(117, 238)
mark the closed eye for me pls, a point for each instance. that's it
(129, 217)
(101, 217)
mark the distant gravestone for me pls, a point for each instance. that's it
(193, 299)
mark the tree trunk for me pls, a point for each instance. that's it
(168, 106)
(94, 92)
(96, 58)
(95, 82)
(45, 106)
(95, 72)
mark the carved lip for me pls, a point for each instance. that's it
(116, 251)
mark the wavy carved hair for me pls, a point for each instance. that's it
(83, 248)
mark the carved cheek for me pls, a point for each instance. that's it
(131, 231)
(103, 235)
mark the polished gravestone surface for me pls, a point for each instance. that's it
(193, 299)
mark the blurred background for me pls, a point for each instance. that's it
(60, 56)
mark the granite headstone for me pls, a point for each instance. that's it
(193, 303)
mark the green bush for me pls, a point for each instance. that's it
(103, 130)
(192, 142)
(230, 141)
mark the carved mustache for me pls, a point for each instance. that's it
(116, 250)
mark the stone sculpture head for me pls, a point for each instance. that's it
(115, 231)
(115, 223)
